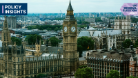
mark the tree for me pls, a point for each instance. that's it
(113, 74)
(84, 73)
(79, 22)
(56, 29)
(83, 66)
(84, 43)
(42, 27)
(127, 43)
(82, 26)
(84, 22)
(48, 28)
(136, 43)
(131, 77)
(54, 41)
(32, 39)
(41, 75)
(17, 40)
(134, 20)
(98, 19)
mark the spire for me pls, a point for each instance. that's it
(70, 7)
(5, 23)
(5, 17)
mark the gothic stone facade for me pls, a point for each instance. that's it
(70, 41)
(14, 63)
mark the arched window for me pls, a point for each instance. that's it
(87, 54)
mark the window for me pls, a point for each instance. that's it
(22, 58)
(18, 59)
(22, 72)
(14, 66)
(18, 72)
(5, 70)
(22, 66)
(18, 66)
(35, 71)
(14, 72)
(5, 64)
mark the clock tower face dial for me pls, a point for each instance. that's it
(65, 29)
(73, 29)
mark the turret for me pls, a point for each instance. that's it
(6, 38)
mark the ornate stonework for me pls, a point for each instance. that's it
(14, 63)
(70, 54)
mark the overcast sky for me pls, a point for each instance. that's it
(54, 6)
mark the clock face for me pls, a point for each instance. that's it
(65, 29)
(73, 29)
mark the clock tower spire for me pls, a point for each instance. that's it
(70, 54)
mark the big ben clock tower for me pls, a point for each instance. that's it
(70, 54)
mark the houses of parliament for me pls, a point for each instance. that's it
(16, 63)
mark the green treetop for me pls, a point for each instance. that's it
(17, 40)
(113, 74)
(84, 43)
(32, 39)
(54, 41)
(84, 73)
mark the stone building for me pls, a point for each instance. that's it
(133, 65)
(11, 22)
(15, 63)
(102, 62)
(120, 38)
(105, 40)
(90, 20)
(70, 41)
(123, 24)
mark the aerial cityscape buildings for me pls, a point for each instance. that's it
(49, 44)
